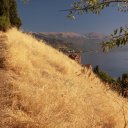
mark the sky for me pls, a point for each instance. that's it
(45, 16)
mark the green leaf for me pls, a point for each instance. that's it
(115, 31)
(121, 30)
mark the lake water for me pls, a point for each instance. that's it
(115, 62)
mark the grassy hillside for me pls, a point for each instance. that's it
(42, 88)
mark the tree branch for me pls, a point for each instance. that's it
(97, 5)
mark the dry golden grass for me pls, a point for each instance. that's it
(42, 88)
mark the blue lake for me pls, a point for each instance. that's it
(114, 63)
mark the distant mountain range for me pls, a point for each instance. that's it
(70, 36)
(82, 42)
(97, 36)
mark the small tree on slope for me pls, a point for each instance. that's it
(4, 15)
(13, 15)
(8, 15)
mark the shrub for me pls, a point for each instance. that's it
(4, 23)
(4, 15)
(13, 15)
(8, 15)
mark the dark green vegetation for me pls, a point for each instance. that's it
(104, 76)
(119, 36)
(14, 19)
(8, 15)
(4, 15)
(119, 85)
(123, 80)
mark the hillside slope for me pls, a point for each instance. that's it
(42, 88)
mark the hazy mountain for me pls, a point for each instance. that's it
(94, 35)
(84, 42)
(62, 34)
(67, 36)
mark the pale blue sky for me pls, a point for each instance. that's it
(45, 16)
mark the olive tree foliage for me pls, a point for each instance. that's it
(120, 36)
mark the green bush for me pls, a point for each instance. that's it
(4, 15)
(4, 23)
(119, 85)
(13, 15)
(8, 15)
(114, 85)
(104, 76)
